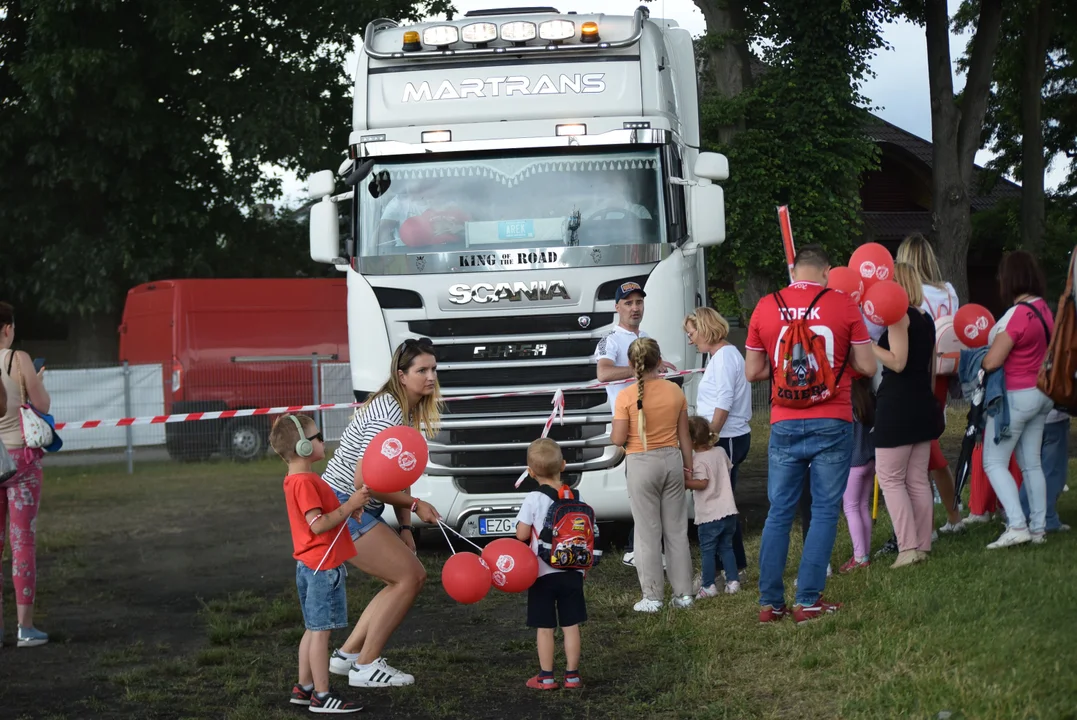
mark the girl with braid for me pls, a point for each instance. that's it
(650, 420)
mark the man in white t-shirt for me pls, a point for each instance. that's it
(611, 355)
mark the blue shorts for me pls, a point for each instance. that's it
(359, 528)
(322, 597)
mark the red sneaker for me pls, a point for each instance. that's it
(573, 681)
(853, 564)
(807, 613)
(536, 683)
(769, 613)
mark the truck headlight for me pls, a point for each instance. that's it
(478, 33)
(519, 31)
(441, 35)
(557, 30)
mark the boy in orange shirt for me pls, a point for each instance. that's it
(313, 512)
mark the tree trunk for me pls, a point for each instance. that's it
(955, 132)
(1033, 68)
(730, 60)
(93, 338)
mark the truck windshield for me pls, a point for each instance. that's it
(450, 204)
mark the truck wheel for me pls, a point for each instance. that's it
(244, 440)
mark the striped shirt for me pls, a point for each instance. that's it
(380, 413)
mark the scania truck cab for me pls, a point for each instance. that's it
(506, 172)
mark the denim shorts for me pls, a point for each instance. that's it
(359, 528)
(322, 597)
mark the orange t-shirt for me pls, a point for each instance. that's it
(304, 492)
(663, 402)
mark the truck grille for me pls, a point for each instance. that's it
(484, 443)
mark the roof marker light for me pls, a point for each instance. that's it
(436, 136)
(571, 129)
(589, 32)
(411, 41)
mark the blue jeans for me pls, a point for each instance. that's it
(826, 446)
(1054, 458)
(737, 449)
(716, 537)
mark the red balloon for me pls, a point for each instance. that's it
(395, 459)
(873, 262)
(416, 231)
(513, 566)
(885, 302)
(466, 578)
(973, 323)
(847, 281)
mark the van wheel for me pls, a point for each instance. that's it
(245, 440)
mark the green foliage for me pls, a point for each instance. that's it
(1002, 124)
(803, 144)
(136, 134)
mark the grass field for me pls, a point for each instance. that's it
(170, 593)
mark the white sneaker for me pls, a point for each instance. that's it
(339, 664)
(1010, 538)
(732, 587)
(707, 592)
(378, 674)
(629, 559)
(976, 519)
(952, 528)
(683, 601)
(934, 535)
(648, 606)
(1038, 538)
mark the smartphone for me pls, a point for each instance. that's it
(38, 364)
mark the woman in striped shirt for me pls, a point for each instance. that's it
(411, 396)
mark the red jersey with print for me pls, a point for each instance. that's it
(835, 317)
(304, 492)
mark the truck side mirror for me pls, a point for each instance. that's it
(708, 214)
(325, 232)
(321, 183)
(712, 166)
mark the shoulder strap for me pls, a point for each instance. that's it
(807, 313)
(548, 492)
(10, 359)
(1046, 332)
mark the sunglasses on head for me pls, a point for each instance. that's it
(421, 343)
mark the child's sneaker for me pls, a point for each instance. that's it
(853, 564)
(332, 704)
(890, 547)
(300, 695)
(707, 592)
(648, 606)
(539, 682)
(806, 613)
(31, 637)
(732, 587)
(378, 674)
(572, 681)
(771, 613)
(682, 601)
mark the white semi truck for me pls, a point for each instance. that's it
(507, 171)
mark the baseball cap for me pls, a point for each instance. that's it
(627, 288)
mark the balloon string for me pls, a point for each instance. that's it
(342, 526)
(447, 541)
(453, 531)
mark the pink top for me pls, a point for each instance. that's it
(715, 501)
(1022, 365)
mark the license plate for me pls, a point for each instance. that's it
(497, 525)
(516, 230)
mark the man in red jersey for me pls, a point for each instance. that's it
(816, 439)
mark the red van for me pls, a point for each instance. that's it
(231, 344)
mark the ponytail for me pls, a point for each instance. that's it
(644, 356)
(642, 421)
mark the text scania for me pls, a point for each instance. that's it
(462, 294)
(579, 84)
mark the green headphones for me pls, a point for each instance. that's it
(303, 447)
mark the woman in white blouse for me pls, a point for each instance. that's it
(724, 397)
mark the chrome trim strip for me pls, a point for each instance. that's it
(592, 442)
(443, 263)
(639, 17)
(388, 148)
(529, 389)
(501, 364)
(486, 421)
(500, 339)
(611, 457)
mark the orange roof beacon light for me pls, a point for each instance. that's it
(411, 41)
(589, 32)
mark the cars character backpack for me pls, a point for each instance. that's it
(568, 535)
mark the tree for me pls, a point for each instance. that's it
(136, 134)
(802, 142)
(956, 125)
(1030, 115)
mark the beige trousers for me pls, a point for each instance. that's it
(660, 510)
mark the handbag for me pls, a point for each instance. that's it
(38, 428)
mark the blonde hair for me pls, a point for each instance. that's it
(284, 435)
(699, 430)
(908, 278)
(916, 251)
(710, 325)
(426, 416)
(544, 458)
(644, 356)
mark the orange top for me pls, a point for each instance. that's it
(663, 402)
(304, 492)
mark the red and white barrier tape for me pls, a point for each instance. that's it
(226, 414)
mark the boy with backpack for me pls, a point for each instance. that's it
(561, 531)
(808, 339)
